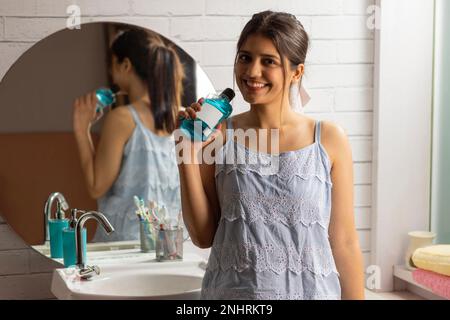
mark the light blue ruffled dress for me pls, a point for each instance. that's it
(148, 170)
(272, 238)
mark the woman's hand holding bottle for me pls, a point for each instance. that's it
(84, 112)
(191, 113)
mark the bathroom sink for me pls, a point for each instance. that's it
(150, 280)
(156, 286)
(96, 246)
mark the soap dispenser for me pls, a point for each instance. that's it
(56, 227)
(69, 244)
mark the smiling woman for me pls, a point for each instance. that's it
(275, 234)
(260, 70)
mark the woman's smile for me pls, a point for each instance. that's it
(254, 86)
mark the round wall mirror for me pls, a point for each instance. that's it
(39, 151)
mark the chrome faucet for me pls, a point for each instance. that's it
(87, 272)
(61, 202)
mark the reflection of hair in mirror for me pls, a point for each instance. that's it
(158, 65)
(190, 77)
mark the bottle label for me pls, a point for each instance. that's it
(209, 114)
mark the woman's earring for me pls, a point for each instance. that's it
(294, 98)
(304, 95)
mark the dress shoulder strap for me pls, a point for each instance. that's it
(229, 133)
(135, 115)
(317, 131)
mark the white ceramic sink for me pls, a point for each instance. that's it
(149, 280)
(96, 246)
(156, 286)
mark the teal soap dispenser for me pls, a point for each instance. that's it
(69, 245)
(56, 227)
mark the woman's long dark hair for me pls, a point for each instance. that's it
(157, 63)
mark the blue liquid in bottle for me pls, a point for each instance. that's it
(214, 111)
(105, 98)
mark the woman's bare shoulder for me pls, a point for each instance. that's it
(121, 119)
(330, 129)
(236, 123)
(121, 111)
(334, 140)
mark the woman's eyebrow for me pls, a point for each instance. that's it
(263, 54)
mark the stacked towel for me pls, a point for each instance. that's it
(434, 268)
(438, 283)
(434, 258)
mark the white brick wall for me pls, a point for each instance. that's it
(31, 29)
(339, 77)
(167, 7)
(2, 27)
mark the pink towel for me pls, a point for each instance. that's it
(438, 283)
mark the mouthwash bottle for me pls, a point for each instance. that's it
(105, 98)
(214, 110)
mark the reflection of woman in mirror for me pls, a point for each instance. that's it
(135, 154)
(287, 233)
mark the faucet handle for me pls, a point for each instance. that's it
(88, 272)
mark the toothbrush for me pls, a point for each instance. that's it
(139, 215)
(179, 219)
(142, 205)
(149, 216)
(152, 209)
(163, 212)
(144, 209)
(162, 243)
(137, 203)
